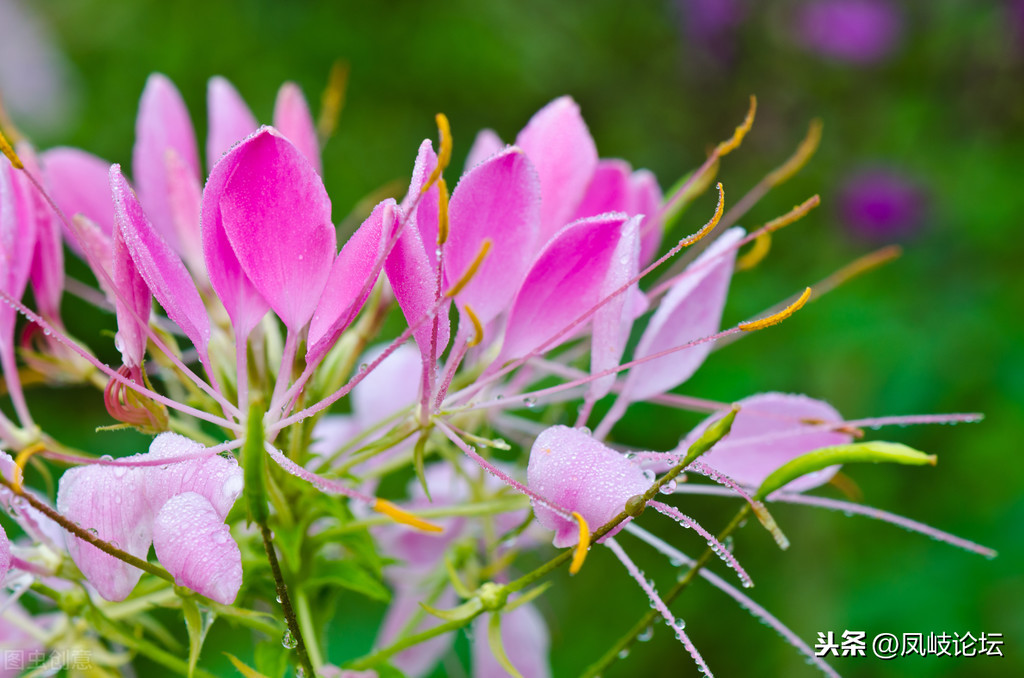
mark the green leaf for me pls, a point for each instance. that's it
(874, 452)
(349, 575)
(497, 647)
(271, 659)
(418, 453)
(196, 633)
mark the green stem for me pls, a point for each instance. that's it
(286, 602)
(376, 658)
(305, 620)
(626, 641)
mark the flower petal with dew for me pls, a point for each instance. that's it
(646, 200)
(575, 471)
(564, 281)
(163, 124)
(79, 183)
(47, 269)
(559, 144)
(277, 218)
(193, 543)
(352, 277)
(5, 553)
(770, 430)
(499, 200)
(486, 144)
(230, 119)
(133, 303)
(292, 118)
(160, 266)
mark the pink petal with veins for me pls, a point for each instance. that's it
(277, 217)
(132, 302)
(614, 320)
(486, 144)
(230, 120)
(193, 543)
(293, 120)
(608, 190)
(80, 184)
(163, 124)
(526, 640)
(559, 145)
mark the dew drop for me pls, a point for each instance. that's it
(106, 457)
(277, 598)
(630, 456)
(300, 257)
(94, 532)
(364, 367)
(585, 430)
(530, 401)
(649, 475)
(668, 488)
(646, 634)
(288, 641)
(623, 653)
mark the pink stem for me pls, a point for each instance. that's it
(659, 605)
(10, 371)
(323, 484)
(132, 463)
(284, 372)
(716, 546)
(454, 360)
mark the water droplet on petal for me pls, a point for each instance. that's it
(530, 401)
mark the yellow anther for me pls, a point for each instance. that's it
(402, 516)
(757, 253)
(733, 143)
(582, 547)
(803, 153)
(20, 462)
(8, 150)
(710, 226)
(333, 100)
(444, 154)
(485, 247)
(777, 318)
(478, 328)
(795, 214)
(442, 211)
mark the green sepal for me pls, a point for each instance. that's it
(252, 466)
(874, 452)
(712, 434)
(529, 596)
(497, 647)
(194, 625)
(418, 453)
(349, 575)
(467, 610)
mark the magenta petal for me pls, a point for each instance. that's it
(558, 143)
(646, 199)
(184, 196)
(47, 268)
(614, 320)
(352, 277)
(5, 553)
(414, 282)
(292, 119)
(608, 191)
(163, 124)
(100, 249)
(691, 309)
(17, 242)
(425, 217)
(159, 266)
(110, 503)
(243, 303)
(770, 430)
(132, 302)
(572, 469)
(499, 200)
(193, 543)
(486, 144)
(230, 119)
(564, 282)
(80, 184)
(526, 640)
(277, 217)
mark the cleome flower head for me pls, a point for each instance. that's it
(389, 401)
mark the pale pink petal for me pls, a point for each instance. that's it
(392, 386)
(526, 640)
(691, 309)
(79, 183)
(100, 248)
(133, 303)
(614, 320)
(230, 119)
(184, 195)
(425, 217)
(277, 218)
(414, 282)
(110, 503)
(559, 144)
(218, 480)
(333, 431)
(498, 200)
(193, 543)
(564, 282)
(352, 278)
(646, 200)
(243, 303)
(293, 119)
(486, 144)
(17, 242)
(608, 190)
(160, 266)
(5, 553)
(572, 469)
(163, 124)
(419, 659)
(770, 430)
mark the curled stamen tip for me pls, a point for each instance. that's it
(762, 245)
(404, 517)
(583, 546)
(478, 328)
(444, 155)
(8, 150)
(20, 462)
(777, 318)
(737, 137)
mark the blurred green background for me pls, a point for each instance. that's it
(938, 331)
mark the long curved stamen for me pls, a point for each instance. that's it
(776, 318)
(718, 547)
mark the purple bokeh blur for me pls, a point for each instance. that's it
(853, 31)
(882, 205)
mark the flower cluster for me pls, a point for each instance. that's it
(524, 284)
